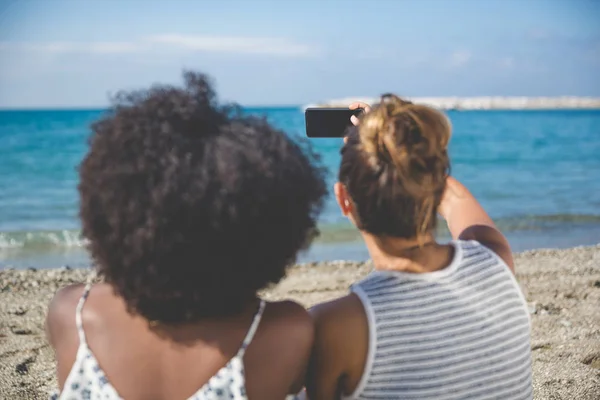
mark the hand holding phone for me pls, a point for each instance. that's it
(331, 122)
(358, 105)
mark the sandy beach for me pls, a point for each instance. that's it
(562, 288)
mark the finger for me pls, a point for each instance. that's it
(345, 139)
(354, 120)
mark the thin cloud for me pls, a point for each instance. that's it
(460, 58)
(170, 42)
(248, 45)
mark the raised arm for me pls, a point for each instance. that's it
(467, 220)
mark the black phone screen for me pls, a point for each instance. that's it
(328, 122)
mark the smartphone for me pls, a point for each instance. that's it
(328, 122)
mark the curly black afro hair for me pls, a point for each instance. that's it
(189, 206)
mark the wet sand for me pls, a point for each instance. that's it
(562, 288)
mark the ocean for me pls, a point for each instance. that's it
(537, 173)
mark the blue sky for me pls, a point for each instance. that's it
(73, 53)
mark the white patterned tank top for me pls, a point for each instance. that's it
(462, 332)
(87, 381)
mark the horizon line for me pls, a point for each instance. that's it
(287, 105)
(107, 107)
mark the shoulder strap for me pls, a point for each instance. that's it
(78, 310)
(253, 328)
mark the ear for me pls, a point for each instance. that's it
(343, 199)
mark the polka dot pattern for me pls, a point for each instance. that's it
(87, 381)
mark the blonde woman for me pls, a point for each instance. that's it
(434, 320)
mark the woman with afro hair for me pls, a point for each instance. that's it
(190, 208)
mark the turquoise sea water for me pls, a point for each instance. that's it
(536, 172)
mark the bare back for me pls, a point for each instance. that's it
(144, 362)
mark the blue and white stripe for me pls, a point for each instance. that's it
(459, 333)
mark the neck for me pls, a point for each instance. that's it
(389, 253)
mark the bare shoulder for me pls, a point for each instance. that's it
(284, 341)
(338, 314)
(291, 317)
(339, 325)
(65, 300)
(340, 348)
(286, 332)
(61, 312)
(67, 295)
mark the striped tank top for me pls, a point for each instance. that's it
(462, 332)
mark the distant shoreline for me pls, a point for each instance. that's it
(483, 103)
(444, 103)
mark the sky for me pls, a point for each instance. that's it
(76, 53)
